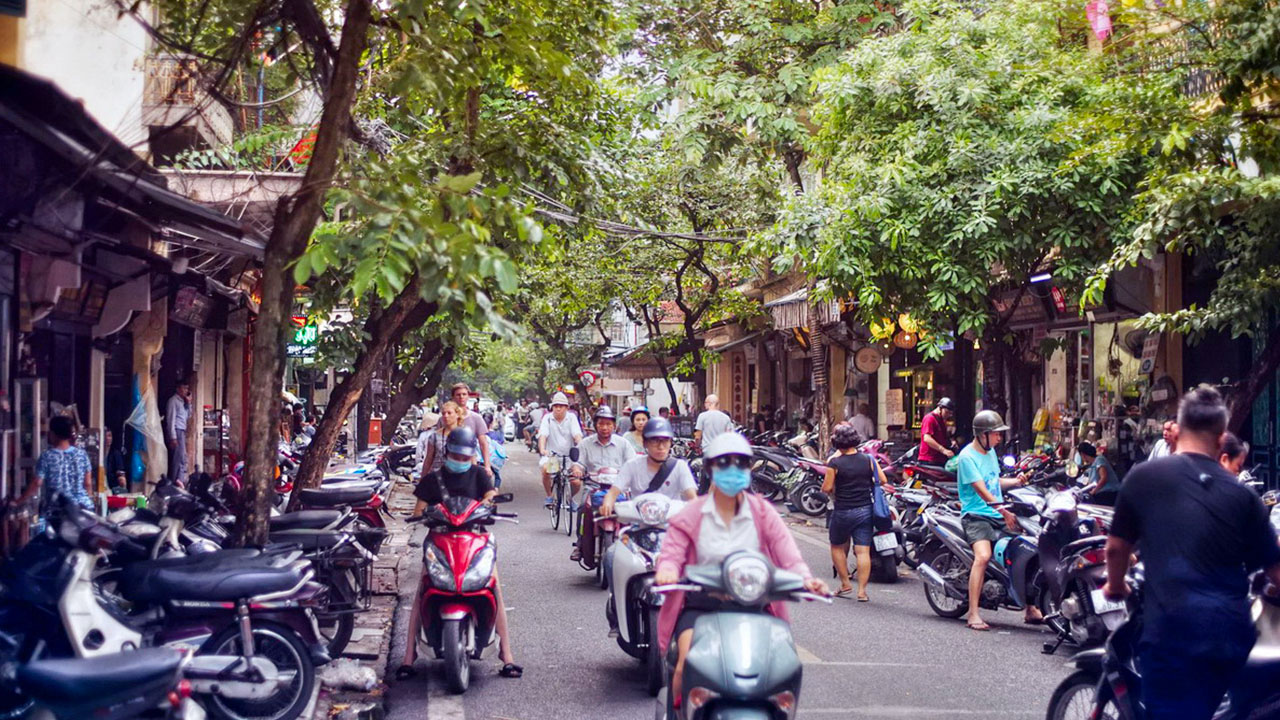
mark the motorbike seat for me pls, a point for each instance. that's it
(952, 522)
(306, 520)
(308, 540)
(1076, 546)
(212, 578)
(99, 680)
(334, 497)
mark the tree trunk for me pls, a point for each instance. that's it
(384, 329)
(411, 392)
(966, 380)
(1262, 373)
(821, 380)
(295, 218)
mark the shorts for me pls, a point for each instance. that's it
(695, 606)
(851, 524)
(977, 527)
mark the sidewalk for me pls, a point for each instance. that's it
(371, 640)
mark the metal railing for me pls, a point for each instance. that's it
(172, 80)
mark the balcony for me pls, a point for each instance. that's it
(177, 111)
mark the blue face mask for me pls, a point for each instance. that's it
(732, 480)
(457, 466)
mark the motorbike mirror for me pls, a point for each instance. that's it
(573, 454)
(503, 498)
(1009, 461)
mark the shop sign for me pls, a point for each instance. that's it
(1150, 349)
(305, 336)
(191, 307)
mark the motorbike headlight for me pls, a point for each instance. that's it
(437, 570)
(747, 579)
(481, 569)
(652, 512)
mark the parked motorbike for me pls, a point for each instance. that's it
(632, 608)
(1073, 565)
(1107, 682)
(457, 595)
(743, 661)
(803, 485)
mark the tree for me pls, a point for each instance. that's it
(1213, 192)
(956, 165)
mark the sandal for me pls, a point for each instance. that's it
(980, 626)
(863, 598)
(404, 672)
(511, 670)
(844, 592)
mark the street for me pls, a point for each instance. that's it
(891, 657)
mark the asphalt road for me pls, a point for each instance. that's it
(890, 658)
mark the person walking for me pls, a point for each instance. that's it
(460, 393)
(434, 445)
(176, 415)
(1201, 534)
(635, 438)
(935, 437)
(711, 423)
(851, 477)
(62, 469)
(1104, 478)
(981, 488)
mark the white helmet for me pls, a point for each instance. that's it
(729, 443)
(559, 399)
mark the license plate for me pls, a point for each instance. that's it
(887, 541)
(1102, 605)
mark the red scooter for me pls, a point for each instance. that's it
(457, 597)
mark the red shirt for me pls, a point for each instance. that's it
(933, 425)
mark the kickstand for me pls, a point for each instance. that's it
(1052, 647)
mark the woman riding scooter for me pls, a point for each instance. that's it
(460, 476)
(709, 529)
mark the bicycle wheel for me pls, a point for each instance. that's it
(557, 502)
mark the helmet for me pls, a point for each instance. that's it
(461, 441)
(641, 409)
(604, 412)
(729, 443)
(559, 399)
(988, 421)
(487, 416)
(946, 404)
(658, 428)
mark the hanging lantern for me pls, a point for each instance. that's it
(907, 323)
(905, 340)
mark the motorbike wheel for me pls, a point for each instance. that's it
(764, 482)
(606, 539)
(282, 647)
(1075, 699)
(949, 567)
(457, 661)
(336, 626)
(808, 498)
(653, 658)
(884, 568)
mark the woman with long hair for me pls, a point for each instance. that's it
(433, 459)
(635, 438)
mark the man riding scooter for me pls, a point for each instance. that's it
(603, 450)
(461, 476)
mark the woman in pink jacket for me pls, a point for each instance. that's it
(710, 528)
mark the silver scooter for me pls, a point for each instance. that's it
(633, 607)
(743, 663)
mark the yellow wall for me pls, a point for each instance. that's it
(10, 39)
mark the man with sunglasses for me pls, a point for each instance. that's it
(642, 474)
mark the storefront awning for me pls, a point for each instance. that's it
(792, 311)
(736, 344)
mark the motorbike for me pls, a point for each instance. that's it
(141, 683)
(1013, 575)
(1073, 566)
(603, 529)
(457, 595)
(803, 485)
(767, 467)
(632, 608)
(245, 614)
(743, 662)
(1107, 682)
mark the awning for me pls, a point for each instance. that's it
(735, 344)
(792, 311)
(635, 364)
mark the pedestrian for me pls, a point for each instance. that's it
(981, 488)
(1168, 442)
(559, 433)
(935, 437)
(176, 415)
(460, 392)
(1201, 534)
(1235, 453)
(711, 423)
(433, 448)
(1103, 477)
(850, 479)
(664, 413)
(639, 418)
(497, 454)
(863, 424)
(113, 462)
(624, 422)
(61, 470)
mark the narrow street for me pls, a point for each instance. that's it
(892, 658)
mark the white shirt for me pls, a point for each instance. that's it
(716, 540)
(865, 426)
(176, 416)
(713, 423)
(595, 455)
(561, 436)
(535, 416)
(635, 476)
(1160, 450)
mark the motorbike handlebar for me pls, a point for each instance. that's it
(811, 597)
(677, 587)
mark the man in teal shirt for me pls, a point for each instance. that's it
(1102, 475)
(981, 488)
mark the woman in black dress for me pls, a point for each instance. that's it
(850, 478)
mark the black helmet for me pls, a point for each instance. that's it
(658, 427)
(461, 441)
(946, 404)
(604, 412)
(988, 421)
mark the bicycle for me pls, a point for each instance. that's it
(561, 495)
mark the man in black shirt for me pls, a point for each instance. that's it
(1200, 534)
